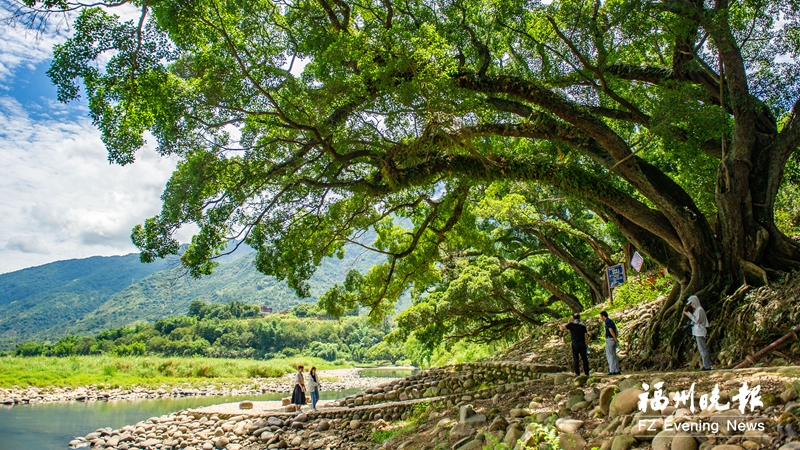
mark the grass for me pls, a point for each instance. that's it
(144, 371)
(638, 290)
(419, 415)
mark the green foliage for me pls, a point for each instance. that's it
(418, 415)
(31, 349)
(787, 208)
(205, 333)
(643, 288)
(501, 152)
(231, 310)
(385, 351)
(145, 371)
(543, 434)
(463, 352)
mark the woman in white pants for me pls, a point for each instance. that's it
(695, 312)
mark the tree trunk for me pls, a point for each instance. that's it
(590, 277)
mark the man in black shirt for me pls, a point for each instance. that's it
(580, 343)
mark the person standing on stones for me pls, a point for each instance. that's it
(695, 312)
(612, 342)
(299, 392)
(313, 387)
(580, 343)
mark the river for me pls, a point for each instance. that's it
(50, 426)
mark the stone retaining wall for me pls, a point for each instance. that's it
(444, 381)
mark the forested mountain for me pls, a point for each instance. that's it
(84, 296)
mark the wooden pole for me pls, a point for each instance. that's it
(752, 359)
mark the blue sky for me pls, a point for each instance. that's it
(59, 196)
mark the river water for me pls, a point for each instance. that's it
(50, 426)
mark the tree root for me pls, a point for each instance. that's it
(753, 274)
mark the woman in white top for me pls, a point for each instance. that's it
(695, 312)
(299, 392)
(313, 387)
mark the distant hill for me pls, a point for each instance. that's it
(85, 296)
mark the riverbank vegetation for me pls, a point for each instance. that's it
(233, 330)
(145, 371)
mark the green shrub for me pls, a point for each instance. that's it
(289, 352)
(31, 349)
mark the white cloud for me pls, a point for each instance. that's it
(23, 47)
(27, 244)
(62, 196)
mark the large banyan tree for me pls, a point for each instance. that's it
(301, 124)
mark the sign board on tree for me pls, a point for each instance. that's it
(616, 275)
(637, 261)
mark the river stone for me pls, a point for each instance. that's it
(788, 395)
(527, 439)
(758, 437)
(663, 440)
(476, 421)
(465, 412)
(266, 436)
(543, 416)
(354, 424)
(574, 397)
(246, 405)
(647, 429)
(513, 433)
(571, 442)
(498, 424)
(683, 441)
(795, 445)
(323, 425)
(605, 397)
(579, 406)
(561, 378)
(629, 383)
(460, 431)
(517, 413)
(568, 425)
(208, 446)
(623, 442)
(580, 381)
(625, 402)
(274, 421)
(475, 444)
(221, 442)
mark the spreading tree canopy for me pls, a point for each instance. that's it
(300, 125)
